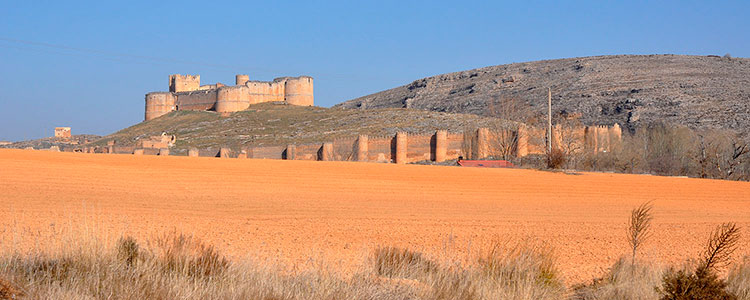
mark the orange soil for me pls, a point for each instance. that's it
(295, 211)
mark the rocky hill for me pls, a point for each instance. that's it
(279, 124)
(698, 91)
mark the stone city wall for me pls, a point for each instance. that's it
(406, 148)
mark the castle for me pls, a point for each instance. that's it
(187, 93)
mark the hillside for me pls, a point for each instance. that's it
(277, 124)
(46, 143)
(697, 91)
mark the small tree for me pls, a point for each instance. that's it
(510, 112)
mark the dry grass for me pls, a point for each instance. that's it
(178, 266)
(738, 281)
(624, 281)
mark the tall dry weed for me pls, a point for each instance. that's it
(639, 227)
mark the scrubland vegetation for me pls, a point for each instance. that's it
(177, 266)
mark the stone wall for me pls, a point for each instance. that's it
(409, 148)
(196, 100)
(184, 83)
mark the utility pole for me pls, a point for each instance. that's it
(549, 120)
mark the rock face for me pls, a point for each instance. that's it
(698, 91)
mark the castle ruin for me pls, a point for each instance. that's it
(186, 93)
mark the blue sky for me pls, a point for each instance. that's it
(88, 64)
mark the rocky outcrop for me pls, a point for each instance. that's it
(698, 91)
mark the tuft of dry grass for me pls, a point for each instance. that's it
(624, 281)
(738, 280)
(397, 262)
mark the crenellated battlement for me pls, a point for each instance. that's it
(186, 93)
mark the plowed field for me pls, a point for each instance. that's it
(300, 211)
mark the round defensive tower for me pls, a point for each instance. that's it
(232, 98)
(299, 91)
(159, 104)
(241, 79)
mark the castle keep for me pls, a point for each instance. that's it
(186, 93)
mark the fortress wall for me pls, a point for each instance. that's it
(454, 146)
(401, 141)
(536, 140)
(381, 149)
(196, 100)
(343, 149)
(159, 104)
(326, 152)
(419, 147)
(440, 146)
(261, 91)
(241, 79)
(232, 98)
(123, 149)
(274, 152)
(299, 91)
(308, 152)
(361, 148)
(522, 144)
(184, 83)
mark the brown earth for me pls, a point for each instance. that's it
(298, 212)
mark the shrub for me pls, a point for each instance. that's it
(556, 159)
(127, 250)
(703, 283)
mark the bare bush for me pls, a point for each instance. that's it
(555, 159)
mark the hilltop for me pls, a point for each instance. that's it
(697, 91)
(278, 124)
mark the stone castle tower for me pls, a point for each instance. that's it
(186, 93)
